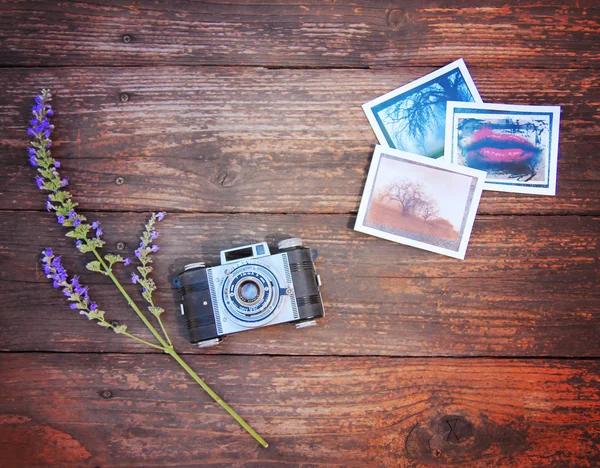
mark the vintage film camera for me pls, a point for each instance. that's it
(250, 289)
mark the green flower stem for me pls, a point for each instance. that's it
(169, 350)
(133, 337)
(164, 331)
(108, 272)
(216, 397)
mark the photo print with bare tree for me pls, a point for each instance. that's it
(412, 117)
(516, 145)
(416, 201)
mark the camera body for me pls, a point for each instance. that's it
(250, 289)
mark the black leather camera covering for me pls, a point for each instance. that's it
(306, 287)
(195, 293)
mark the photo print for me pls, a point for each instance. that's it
(412, 118)
(420, 202)
(516, 145)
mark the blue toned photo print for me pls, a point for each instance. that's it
(516, 145)
(413, 118)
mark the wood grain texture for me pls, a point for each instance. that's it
(311, 34)
(256, 140)
(120, 410)
(529, 287)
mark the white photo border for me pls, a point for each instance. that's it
(368, 107)
(552, 112)
(478, 176)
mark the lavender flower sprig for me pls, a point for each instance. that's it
(89, 239)
(144, 254)
(79, 296)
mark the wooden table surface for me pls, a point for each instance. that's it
(242, 120)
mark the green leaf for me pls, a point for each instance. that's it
(75, 234)
(113, 258)
(145, 270)
(156, 311)
(94, 266)
(120, 329)
(104, 324)
(83, 248)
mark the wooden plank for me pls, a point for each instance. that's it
(312, 34)
(529, 287)
(327, 411)
(256, 140)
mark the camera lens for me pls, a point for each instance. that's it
(248, 291)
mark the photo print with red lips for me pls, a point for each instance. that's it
(516, 145)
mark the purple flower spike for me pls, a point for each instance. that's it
(79, 243)
(160, 215)
(155, 248)
(31, 151)
(154, 235)
(95, 224)
(64, 182)
(49, 112)
(55, 284)
(93, 306)
(30, 132)
(77, 222)
(49, 206)
(49, 145)
(57, 164)
(127, 262)
(134, 278)
(61, 220)
(99, 232)
(137, 253)
(40, 182)
(73, 306)
(56, 262)
(48, 252)
(33, 161)
(72, 214)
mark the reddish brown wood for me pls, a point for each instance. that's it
(115, 410)
(529, 287)
(252, 140)
(251, 153)
(311, 34)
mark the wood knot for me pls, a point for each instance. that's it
(396, 18)
(227, 177)
(455, 429)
